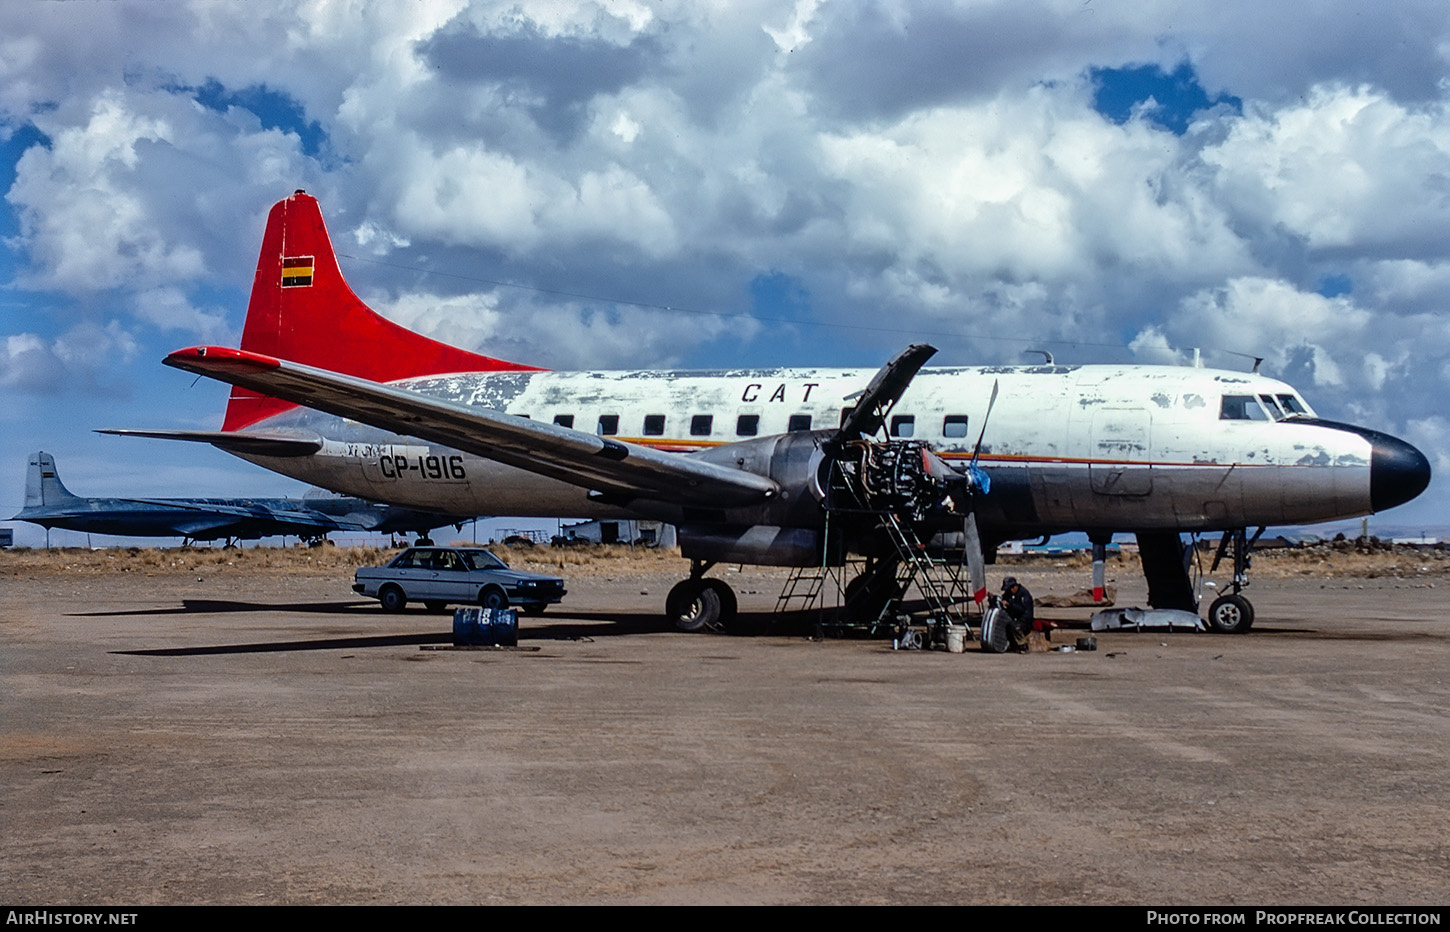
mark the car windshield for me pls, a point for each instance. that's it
(482, 560)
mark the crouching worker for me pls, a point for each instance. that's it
(1016, 601)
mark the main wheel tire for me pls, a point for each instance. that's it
(729, 605)
(533, 608)
(693, 605)
(1231, 614)
(494, 598)
(433, 605)
(392, 598)
(996, 639)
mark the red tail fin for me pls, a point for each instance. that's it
(302, 309)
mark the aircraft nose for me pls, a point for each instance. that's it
(1397, 472)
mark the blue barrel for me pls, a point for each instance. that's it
(485, 627)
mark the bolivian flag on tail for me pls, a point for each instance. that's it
(296, 271)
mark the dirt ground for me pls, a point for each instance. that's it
(235, 727)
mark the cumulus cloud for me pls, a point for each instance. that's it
(558, 332)
(169, 309)
(83, 358)
(1349, 168)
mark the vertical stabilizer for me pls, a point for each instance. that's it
(42, 482)
(302, 310)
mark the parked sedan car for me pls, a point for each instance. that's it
(437, 576)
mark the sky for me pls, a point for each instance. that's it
(695, 184)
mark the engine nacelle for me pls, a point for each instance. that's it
(791, 529)
(757, 544)
(794, 461)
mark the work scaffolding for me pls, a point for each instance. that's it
(870, 594)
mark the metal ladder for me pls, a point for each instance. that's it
(803, 585)
(938, 579)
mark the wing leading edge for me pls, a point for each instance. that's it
(259, 443)
(600, 464)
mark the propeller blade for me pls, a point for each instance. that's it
(991, 403)
(976, 563)
(886, 387)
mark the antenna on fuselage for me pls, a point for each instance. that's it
(1047, 357)
(1258, 360)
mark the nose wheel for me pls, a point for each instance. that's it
(1231, 614)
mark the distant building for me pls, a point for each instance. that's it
(532, 535)
(649, 533)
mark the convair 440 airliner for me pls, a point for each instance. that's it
(745, 461)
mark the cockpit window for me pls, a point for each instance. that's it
(1292, 405)
(1241, 408)
(1272, 407)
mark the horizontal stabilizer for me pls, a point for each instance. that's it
(601, 464)
(259, 443)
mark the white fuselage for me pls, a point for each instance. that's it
(1067, 447)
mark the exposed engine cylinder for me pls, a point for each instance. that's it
(897, 477)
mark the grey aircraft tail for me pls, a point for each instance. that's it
(42, 483)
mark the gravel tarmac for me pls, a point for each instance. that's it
(258, 735)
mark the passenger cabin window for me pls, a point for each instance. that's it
(654, 425)
(1241, 408)
(954, 425)
(608, 424)
(798, 422)
(747, 425)
(903, 425)
(564, 420)
(701, 425)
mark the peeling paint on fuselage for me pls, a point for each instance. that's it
(1082, 447)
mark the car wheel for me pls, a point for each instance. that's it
(392, 598)
(493, 598)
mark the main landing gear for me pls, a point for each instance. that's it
(1165, 564)
(700, 604)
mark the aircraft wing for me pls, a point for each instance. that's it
(217, 514)
(261, 443)
(601, 464)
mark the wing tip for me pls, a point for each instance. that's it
(196, 357)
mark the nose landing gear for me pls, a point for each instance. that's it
(1232, 613)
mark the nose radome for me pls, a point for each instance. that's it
(1397, 472)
